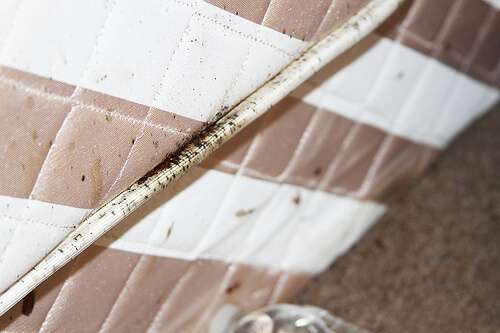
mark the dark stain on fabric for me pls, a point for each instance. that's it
(28, 304)
(242, 212)
(379, 243)
(296, 200)
(108, 116)
(96, 179)
(170, 230)
(232, 288)
(30, 102)
(197, 142)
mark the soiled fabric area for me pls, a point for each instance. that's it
(431, 264)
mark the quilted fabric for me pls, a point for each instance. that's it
(266, 211)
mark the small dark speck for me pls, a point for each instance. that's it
(133, 141)
(244, 212)
(447, 46)
(61, 251)
(232, 288)
(379, 243)
(400, 75)
(28, 304)
(296, 200)
(155, 144)
(170, 230)
(197, 143)
(108, 116)
(83, 178)
(317, 171)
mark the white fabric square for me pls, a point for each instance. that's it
(206, 63)
(469, 100)
(55, 38)
(269, 239)
(353, 80)
(245, 201)
(396, 81)
(187, 216)
(328, 227)
(266, 58)
(135, 48)
(427, 102)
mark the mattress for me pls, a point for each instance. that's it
(260, 140)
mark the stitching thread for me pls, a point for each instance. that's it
(20, 219)
(234, 30)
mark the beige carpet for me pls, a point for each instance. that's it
(432, 263)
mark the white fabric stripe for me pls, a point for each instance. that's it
(399, 90)
(55, 38)
(260, 223)
(41, 226)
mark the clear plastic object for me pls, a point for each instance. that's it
(285, 318)
(280, 318)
